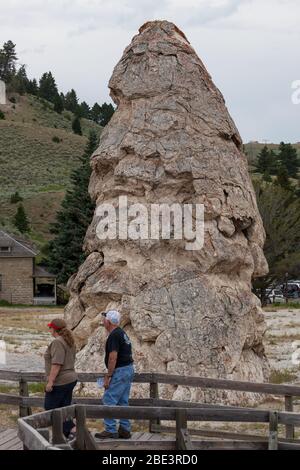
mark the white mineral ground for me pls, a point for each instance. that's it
(26, 344)
(26, 336)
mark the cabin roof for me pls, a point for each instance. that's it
(16, 248)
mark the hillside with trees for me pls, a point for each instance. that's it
(46, 140)
(43, 136)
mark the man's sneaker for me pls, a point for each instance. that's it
(106, 435)
(123, 434)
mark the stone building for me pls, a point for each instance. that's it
(21, 281)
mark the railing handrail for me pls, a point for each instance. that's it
(157, 378)
(31, 428)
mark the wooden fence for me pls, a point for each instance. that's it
(34, 430)
(287, 392)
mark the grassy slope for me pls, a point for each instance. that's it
(39, 168)
(33, 164)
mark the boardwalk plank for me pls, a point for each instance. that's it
(9, 440)
(7, 436)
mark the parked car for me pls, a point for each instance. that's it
(291, 290)
(275, 295)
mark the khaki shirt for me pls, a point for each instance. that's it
(58, 352)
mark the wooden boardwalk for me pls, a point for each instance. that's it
(9, 440)
(139, 440)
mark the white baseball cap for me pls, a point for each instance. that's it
(113, 316)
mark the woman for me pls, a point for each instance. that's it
(60, 371)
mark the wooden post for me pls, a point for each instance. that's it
(57, 427)
(154, 424)
(80, 427)
(45, 433)
(183, 441)
(23, 392)
(289, 428)
(273, 430)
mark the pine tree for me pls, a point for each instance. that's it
(102, 114)
(107, 110)
(289, 159)
(20, 81)
(85, 110)
(48, 89)
(14, 198)
(71, 101)
(267, 177)
(264, 162)
(65, 250)
(76, 126)
(280, 211)
(96, 113)
(21, 221)
(282, 179)
(32, 87)
(274, 163)
(58, 104)
(8, 59)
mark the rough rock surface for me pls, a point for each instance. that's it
(170, 140)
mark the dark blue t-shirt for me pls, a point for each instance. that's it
(118, 341)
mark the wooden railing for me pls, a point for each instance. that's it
(26, 402)
(35, 435)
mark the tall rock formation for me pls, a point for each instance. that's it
(172, 140)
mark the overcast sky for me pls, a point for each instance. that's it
(250, 47)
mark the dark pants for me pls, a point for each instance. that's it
(60, 396)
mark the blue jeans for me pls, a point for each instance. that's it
(117, 394)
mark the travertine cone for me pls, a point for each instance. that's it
(170, 140)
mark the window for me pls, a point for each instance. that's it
(5, 249)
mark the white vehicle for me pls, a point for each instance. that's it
(296, 282)
(275, 295)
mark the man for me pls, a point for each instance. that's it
(120, 372)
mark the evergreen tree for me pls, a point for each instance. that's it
(71, 101)
(20, 220)
(65, 250)
(274, 163)
(280, 211)
(78, 111)
(267, 177)
(85, 110)
(102, 114)
(76, 126)
(282, 179)
(58, 104)
(20, 81)
(107, 110)
(14, 198)
(32, 87)
(8, 59)
(289, 159)
(96, 113)
(48, 89)
(263, 160)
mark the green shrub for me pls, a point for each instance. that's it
(56, 139)
(14, 198)
(2, 115)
